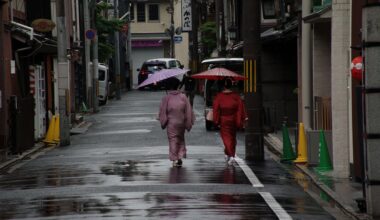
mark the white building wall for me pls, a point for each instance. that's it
(340, 46)
(149, 27)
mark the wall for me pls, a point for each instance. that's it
(279, 77)
(322, 60)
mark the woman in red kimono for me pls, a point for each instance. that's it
(229, 114)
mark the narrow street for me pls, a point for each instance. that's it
(119, 169)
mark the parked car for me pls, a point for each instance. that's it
(103, 82)
(147, 68)
(211, 87)
(170, 63)
(153, 65)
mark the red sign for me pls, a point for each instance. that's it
(125, 28)
(357, 67)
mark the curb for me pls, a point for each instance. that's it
(84, 125)
(274, 144)
(37, 147)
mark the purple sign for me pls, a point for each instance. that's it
(146, 43)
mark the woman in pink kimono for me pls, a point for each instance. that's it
(176, 116)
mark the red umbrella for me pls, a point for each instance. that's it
(218, 74)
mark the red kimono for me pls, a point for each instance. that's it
(229, 114)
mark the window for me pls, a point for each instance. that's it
(140, 12)
(132, 12)
(153, 12)
(102, 75)
(172, 64)
(268, 9)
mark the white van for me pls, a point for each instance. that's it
(170, 63)
(103, 85)
(103, 82)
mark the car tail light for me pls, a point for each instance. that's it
(143, 72)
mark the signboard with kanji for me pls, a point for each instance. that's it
(186, 15)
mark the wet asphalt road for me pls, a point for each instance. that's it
(119, 169)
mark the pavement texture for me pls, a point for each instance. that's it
(342, 192)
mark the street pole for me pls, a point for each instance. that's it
(95, 62)
(117, 52)
(219, 5)
(5, 88)
(87, 52)
(194, 36)
(306, 80)
(63, 75)
(254, 139)
(172, 51)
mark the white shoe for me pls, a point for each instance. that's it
(226, 158)
(175, 163)
(231, 161)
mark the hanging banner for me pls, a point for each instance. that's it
(186, 15)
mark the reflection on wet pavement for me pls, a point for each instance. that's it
(193, 171)
(142, 206)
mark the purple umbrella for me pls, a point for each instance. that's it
(161, 75)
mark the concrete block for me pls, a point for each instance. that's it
(373, 155)
(373, 114)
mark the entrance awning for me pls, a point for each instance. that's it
(323, 15)
(39, 43)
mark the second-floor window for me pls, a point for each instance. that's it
(140, 12)
(153, 12)
(268, 9)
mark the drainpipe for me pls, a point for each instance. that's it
(306, 68)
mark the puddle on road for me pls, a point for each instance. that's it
(143, 205)
(193, 171)
(52, 177)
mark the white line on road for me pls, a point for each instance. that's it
(249, 173)
(126, 114)
(275, 206)
(136, 131)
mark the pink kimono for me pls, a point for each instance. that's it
(177, 116)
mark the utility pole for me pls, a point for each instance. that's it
(306, 80)
(254, 139)
(117, 52)
(219, 5)
(194, 36)
(371, 52)
(63, 75)
(171, 11)
(87, 52)
(5, 88)
(95, 62)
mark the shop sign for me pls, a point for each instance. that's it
(186, 15)
(43, 25)
(146, 43)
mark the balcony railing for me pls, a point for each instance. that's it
(320, 4)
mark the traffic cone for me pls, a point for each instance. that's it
(324, 156)
(50, 133)
(56, 130)
(302, 145)
(287, 149)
